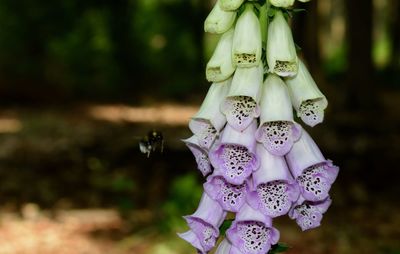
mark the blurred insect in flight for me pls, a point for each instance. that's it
(151, 142)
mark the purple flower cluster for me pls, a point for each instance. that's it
(258, 162)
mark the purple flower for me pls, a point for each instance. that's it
(225, 247)
(235, 155)
(308, 214)
(275, 190)
(241, 104)
(209, 120)
(231, 197)
(252, 231)
(312, 171)
(204, 224)
(200, 154)
(277, 131)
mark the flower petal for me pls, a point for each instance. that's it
(241, 104)
(247, 44)
(219, 21)
(312, 171)
(220, 67)
(308, 214)
(252, 232)
(200, 154)
(230, 197)
(275, 189)
(307, 99)
(235, 155)
(209, 120)
(281, 51)
(230, 5)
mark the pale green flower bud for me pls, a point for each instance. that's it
(230, 5)
(282, 3)
(306, 98)
(247, 45)
(219, 21)
(220, 66)
(281, 51)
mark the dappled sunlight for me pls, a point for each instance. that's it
(67, 233)
(163, 114)
(10, 125)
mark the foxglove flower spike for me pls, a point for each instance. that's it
(225, 247)
(277, 131)
(307, 99)
(209, 120)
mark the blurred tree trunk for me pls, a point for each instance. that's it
(395, 32)
(360, 75)
(306, 33)
(121, 16)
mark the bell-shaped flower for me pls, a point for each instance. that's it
(277, 131)
(230, 5)
(275, 190)
(307, 99)
(219, 21)
(209, 120)
(252, 231)
(220, 67)
(235, 155)
(247, 41)
(314, 174)
(200, 155)
(282, 3)
(225, 247)
(308, 214)
(204, 224)
(231, 197)
(241, 104)
(281, 51)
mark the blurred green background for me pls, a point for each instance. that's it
(82, 81)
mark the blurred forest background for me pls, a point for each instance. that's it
(82, 81)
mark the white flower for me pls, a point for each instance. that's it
(247, 45)
(209, 120)
(241, 104)
(230, 5)
(282, 3)
(306, 98)
(220, 66)
(277, 131)
(219, 21)
(281, 51)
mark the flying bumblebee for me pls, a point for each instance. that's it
(151, 142)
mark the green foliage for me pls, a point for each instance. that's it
(183, 199)
(278, 248)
